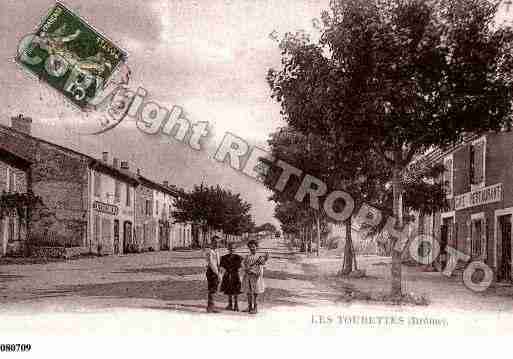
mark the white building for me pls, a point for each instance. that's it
(112, 207)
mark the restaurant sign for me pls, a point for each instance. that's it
(479, 197)
(105, 208)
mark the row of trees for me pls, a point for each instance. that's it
(216, 208)
(387, 80)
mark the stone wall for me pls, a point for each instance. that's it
(56, 252)
(60, 177)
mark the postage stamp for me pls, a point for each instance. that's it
(70, 55)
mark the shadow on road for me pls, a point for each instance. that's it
(9, 277)
(181, 271)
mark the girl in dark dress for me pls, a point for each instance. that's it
(231, 285)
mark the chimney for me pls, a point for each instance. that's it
(105, 157)
(138, 171)
(124, 165)
(166, 183)
(115, 162)
(21, 123)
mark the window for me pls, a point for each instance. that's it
(117, 191)
(447, 176)
(97, 184)
(11, 230)
(157, 207)
(128, 196)
(170, 211)
(148, 209)
(477, 163)
(11, 177)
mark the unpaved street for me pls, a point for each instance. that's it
(165, 293)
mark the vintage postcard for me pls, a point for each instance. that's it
(328, 169)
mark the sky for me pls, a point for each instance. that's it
(209, 57)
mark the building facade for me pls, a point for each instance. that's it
(95, 204)
(479, 185)
(155, 226)
(112, 208)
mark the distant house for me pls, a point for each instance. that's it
(155, 225)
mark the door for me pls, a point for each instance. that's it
(106, 240)
(116, 236)
(127, 236)
(445, 239)
(504, 273)
(162, 242)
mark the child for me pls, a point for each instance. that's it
(213, 275)
(231, 284)
(253, 281)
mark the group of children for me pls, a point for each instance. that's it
(225, 270)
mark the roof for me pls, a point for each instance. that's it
(120, 174)
(14, 159)
(47, 142)
(98, 165)
(157, 186)
(434, 155)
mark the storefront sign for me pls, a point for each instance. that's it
(106, 208)
(479, 197)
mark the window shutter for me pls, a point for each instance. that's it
(447, 178)
(478, 162)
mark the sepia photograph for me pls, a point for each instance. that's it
(254, 168)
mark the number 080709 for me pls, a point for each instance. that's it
(15, 347)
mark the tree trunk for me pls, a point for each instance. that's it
(318, 235)
(302, 247)
(354, 256)
(398, 214)
(310, 235)
(348, 250)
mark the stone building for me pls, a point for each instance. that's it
(60, 177)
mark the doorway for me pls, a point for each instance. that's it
(116, 236)
(446, 234)
(127, 236)
(504, 272)
(162, 244)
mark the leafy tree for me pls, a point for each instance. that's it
(395, 77)
(214, 207)
(19, 204)
(266, 227)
